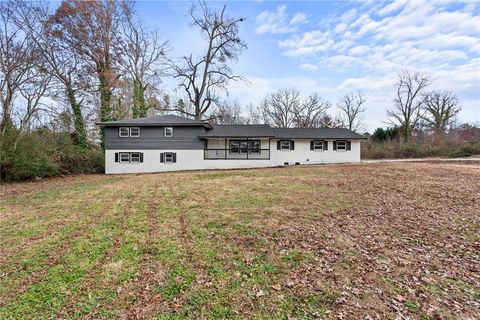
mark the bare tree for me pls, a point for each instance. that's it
(202, 78)
(17, 56)
(254, 114)
(227, 113)
(33, 94)
(93, 30)
(441, 108)
(285, 108)
(327, 121)
(310, 111)
(71, 80)
(351, 109)
(407, 105)
(144, 61)
(279, 107)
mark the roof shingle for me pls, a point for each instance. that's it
(315, 133)
(169, 119)
(239, 131)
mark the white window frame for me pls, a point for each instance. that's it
(135, 155)
(131, 132)
(120, 132)
(344, 142)
(287, 142)
(315, 142)
(120, 160)
(166, 155)
(170, 129)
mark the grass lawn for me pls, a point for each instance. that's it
(381, 240)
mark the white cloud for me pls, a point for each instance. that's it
(395, 5)
(277, 22)
(438, 36)
(298, 18)
(359, 50)
(308, 66)
(308, 43)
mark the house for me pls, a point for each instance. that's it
(170, 143)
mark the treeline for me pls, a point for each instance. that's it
(65, 66)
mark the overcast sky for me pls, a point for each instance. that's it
(336, 47)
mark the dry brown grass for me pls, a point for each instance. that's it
(381, 240)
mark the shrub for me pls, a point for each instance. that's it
(25, 158)
(419, 149)
(465, 151)
(43, 153)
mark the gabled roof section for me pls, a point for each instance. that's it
(164, 120)
(239, 131)
(315, 133)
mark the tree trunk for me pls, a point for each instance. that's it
(140, 108)
(103, 70)
(6, 122)
(80, 138)
(406, 131)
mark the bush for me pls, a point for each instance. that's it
(43, 153)
(419, 149)
(465, 151)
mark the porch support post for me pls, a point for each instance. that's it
(225, 148)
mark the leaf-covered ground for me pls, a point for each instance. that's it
(397, 240)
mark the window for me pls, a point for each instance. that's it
(135, 132)
(124, 157)
(134, 157)
(254, 146)
(129, 157)
(168, 157)
(244, 146)
(234, 146)
(168, 132)
(284, 145)
(124, 132)
(318, 145)
(342, 145)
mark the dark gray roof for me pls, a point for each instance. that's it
(169, 119)
(315, 133)
(263, 130)
(239, 131)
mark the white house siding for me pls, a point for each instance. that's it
(194, 159)
(186, 160)
(304, 155)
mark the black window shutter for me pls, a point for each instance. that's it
(161, 158)
(334, 145)
(174, 157)
(292, 145)
(116, 156)
(311, 145)
(141, 157)
(349, 145)
(325, 145)
(278, 145)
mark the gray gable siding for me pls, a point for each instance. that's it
(152, 138)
